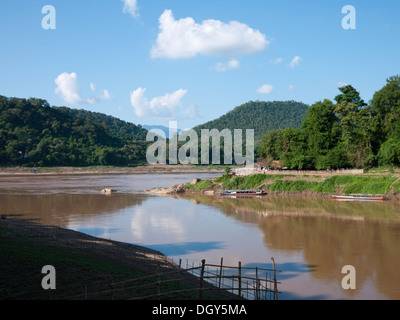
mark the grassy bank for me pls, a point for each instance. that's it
(103, 269)
(387, 184)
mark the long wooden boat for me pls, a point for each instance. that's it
(242, 193)
(361, 197)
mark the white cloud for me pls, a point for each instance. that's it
(191, 112)
(131, 7)
(92, 87)
(68, 88)
(341, 84)
(277, 61)
(232, 64)
(106, 95)
(265, 89)
(291, 87)
(296, 60)
(162, 107)
(185, 38)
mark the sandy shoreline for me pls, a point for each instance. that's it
(147, 169)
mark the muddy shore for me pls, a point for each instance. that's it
(81, 261)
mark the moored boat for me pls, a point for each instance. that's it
(362, 197)
(238, 193)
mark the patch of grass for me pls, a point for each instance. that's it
(235, 184)
(293, 186)
(345, 184)
(201, 185)
(396, 187)
(356, 184)
(254, 181)
(242, 182)
(327, 186)
(224, 178)
(370, 185)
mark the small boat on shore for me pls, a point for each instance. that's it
(242, 193)
(360, 197)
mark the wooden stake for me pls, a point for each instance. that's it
(275, 283)
(240, 279)
(203, 263)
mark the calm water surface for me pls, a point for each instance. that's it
(310, 239)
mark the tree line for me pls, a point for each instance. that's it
(346, 133)
(32, 133)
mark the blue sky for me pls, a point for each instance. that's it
(151, 61)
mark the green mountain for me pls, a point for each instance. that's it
(260, 116)
(119, 128)
(35, 134)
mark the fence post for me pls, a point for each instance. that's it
(256, 284)
(220, 272)
(275, 283)
(203, 264)
(240, 279)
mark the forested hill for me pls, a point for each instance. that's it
(34, 133)
(119, 128)
(260, 116)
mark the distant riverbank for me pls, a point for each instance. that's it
(384, 183)
(158, 168)
(378, 181)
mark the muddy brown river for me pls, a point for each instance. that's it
(311, 239)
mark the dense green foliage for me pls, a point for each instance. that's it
(121, 129)
(260, 116)
(347, 134)
(34, 133)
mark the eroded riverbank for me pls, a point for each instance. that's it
(86, 266)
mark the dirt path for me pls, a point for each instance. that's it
(391, 188)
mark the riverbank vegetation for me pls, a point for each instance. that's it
(387, 184)
(346, 134)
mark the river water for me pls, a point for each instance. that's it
(310, 239)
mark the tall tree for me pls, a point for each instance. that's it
(355, 121)
(321, 127)
(386, 109)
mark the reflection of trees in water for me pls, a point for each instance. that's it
(330, 234)
(58, 209)
(291, 205)
(370, 246)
